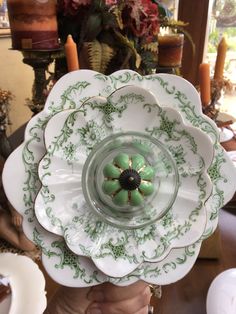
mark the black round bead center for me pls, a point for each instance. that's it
(129, 179)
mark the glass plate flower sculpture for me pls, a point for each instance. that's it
(80, 158)
(123, 178)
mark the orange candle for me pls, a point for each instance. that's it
(205, 83)
(71, 54)
(220, 59)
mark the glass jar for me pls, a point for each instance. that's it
(170, 50)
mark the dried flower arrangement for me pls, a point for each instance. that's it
(5, 99)
(116, 34)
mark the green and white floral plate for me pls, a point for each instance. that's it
(62, 207)
(22, 184)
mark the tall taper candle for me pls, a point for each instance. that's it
(71, 54)
(220, 59)
(205, 83)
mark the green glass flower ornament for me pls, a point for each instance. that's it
(128, 179)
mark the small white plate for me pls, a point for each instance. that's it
(27, 284)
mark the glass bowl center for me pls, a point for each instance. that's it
(130, 180)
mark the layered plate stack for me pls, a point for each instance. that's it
(120, 178)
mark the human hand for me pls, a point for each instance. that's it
(103, 299)
(111, 299)
(17, 220)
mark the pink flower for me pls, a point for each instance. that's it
(110, 2)
(142, 18)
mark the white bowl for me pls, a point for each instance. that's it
(221, 296)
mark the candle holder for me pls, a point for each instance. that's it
(33, 24)
(168, 70)
(40, 60)
(217, 88)
(34, 32)
(212, 110)
(170, 50)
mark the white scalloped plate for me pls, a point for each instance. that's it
(60, 201)
(22, 184)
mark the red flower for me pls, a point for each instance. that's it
(70, 7)
(142, 18)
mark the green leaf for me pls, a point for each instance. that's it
(93, 26)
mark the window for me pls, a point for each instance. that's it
(223, 24)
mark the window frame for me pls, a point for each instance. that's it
(197, 14)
